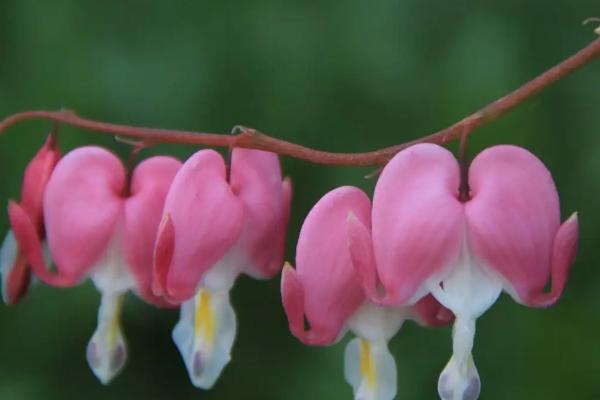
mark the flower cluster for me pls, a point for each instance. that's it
(178, 235)
(175, 234)
(368, 267)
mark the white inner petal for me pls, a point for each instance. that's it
(205, 334)
(469, 288)
(223, 274)
(375, 322)
(207, 326)
(107, 351)
(460, 380)
(368, 365)
(8, 256)
(110, 273)
(370, 369)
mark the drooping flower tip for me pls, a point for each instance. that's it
(100, 225)
(507, 236)
(335, 253)
(459, 382)
(292, 295)
(564, 252)
(14, 271)
(324, 287)
(14, 268)
(31, 247)
(217, 226)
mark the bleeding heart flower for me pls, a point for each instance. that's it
(212, 231)
(507, 236)
(326, 290)
(15, 272)
(100, 225)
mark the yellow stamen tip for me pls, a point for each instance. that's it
(367, 364)
(204, 321)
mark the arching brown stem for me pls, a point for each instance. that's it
(251, 138)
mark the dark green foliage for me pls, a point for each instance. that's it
(340, 75)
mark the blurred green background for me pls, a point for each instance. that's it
(340, 75)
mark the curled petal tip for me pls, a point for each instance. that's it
(14, 270)
(16, 283)
(287, 266)
(29, 242)
(292, 293)
(16, 273)
(563, 255)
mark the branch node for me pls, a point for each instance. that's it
(593, 20)
(244, 135)
(237, 129)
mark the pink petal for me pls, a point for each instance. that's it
(207, 219)
(35, 179)
(16, 283)
(513, 217)
(564, 250)
(82, 203)
(37, 174)
(418, 221)
(360, 246)
(163, 256)
(143, 211)
(256, 180)
(31, 247)
(324, 286)
(292, 296)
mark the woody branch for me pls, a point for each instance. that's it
(252, 138)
